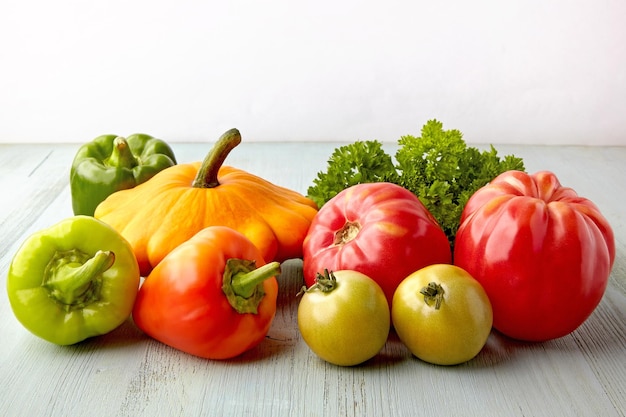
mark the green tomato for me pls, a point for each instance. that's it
(344, 317)
(442, 314)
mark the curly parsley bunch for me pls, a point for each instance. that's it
(438, 167)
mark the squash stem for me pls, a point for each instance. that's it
(122, 156)
(207, 174)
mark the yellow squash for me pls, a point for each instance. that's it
(171, 207)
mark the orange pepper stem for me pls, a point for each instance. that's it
(122, 156)
(207, 174)
(243, 283)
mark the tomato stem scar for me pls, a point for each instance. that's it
(433, 292)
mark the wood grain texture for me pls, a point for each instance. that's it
(125, 373)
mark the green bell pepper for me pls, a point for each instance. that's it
(111, 163)
(76, 279)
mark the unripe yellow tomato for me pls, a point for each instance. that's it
(442, 314)
(344, 317)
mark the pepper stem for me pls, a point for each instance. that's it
(73, 282)
(433, 292)
(207, 174)
(122, 156)
(243, 283)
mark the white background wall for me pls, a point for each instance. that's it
(525, 71)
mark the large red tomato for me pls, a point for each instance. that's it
(380, 229)
(542, 253)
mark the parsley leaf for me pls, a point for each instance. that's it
(444, 172)
(356, 163)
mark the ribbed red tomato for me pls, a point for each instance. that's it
(379, 229)
(543, 253)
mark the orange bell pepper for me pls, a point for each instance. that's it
(213, 296)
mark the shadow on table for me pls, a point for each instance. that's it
(125, 335)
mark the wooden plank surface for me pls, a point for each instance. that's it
(126, 373)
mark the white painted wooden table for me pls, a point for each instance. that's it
(127, 374)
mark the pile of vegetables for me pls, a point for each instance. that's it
(208, 238)
(439, 244)
(531, 257)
